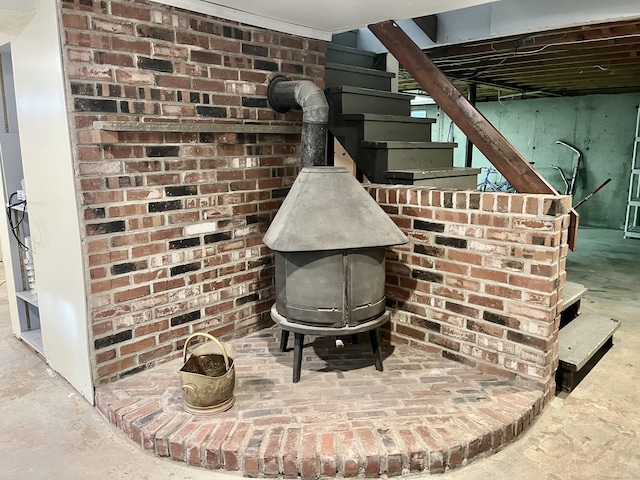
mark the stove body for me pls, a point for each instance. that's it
(329, 238)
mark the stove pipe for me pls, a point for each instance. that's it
(284, 94)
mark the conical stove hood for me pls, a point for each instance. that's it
(327, 209)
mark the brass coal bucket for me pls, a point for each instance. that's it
(208, 377)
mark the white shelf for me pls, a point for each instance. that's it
(33, 338)
(29, 297)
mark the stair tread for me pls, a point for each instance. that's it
(390, 144)
(353, 50)
(368, 91)
(572, 293)
(361, 70)
(420, 174)
(583, 337)
(377, 117)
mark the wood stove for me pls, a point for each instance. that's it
(330, 237)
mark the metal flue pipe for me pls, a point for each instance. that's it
(284, 94)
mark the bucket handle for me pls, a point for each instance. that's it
(210, 337)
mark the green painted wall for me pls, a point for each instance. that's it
(601, 126)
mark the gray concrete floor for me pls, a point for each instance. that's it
(48, 431)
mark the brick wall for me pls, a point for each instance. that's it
(174, 220)
(481, 278)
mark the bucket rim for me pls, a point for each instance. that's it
(210, 337)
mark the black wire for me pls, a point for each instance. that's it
(14, 228)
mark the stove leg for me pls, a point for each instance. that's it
(297, 356)
(375, 346)
(284, 338)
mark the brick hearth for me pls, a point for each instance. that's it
(423, 413)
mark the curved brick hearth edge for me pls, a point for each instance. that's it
(344, 419)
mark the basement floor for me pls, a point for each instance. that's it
(50, 432)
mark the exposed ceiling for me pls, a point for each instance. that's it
(581, 60)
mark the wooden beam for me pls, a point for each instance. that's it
(511, 164)
(480, 131)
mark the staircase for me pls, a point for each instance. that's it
(375, 127)
(583, 339)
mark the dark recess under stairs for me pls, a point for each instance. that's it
(583, 340)
(376, 129)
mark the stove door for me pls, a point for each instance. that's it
(311, 289)
(366, 284)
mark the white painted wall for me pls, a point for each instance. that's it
(53, 210)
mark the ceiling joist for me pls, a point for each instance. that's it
(598, 58)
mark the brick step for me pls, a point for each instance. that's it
(454, 177)
(345, 99)
(423, 414)
(573, 293)
(336, 74)
(377, 127)
(351, 56)
(581, 344)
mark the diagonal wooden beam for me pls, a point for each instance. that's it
(509, 162)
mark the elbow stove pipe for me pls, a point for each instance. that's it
(285, 94)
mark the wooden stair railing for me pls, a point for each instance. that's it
(507, 160)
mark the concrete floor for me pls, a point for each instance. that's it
(47, 431)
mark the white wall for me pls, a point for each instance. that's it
(53, 210)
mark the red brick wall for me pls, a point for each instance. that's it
(481, 278)
(173, 221)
